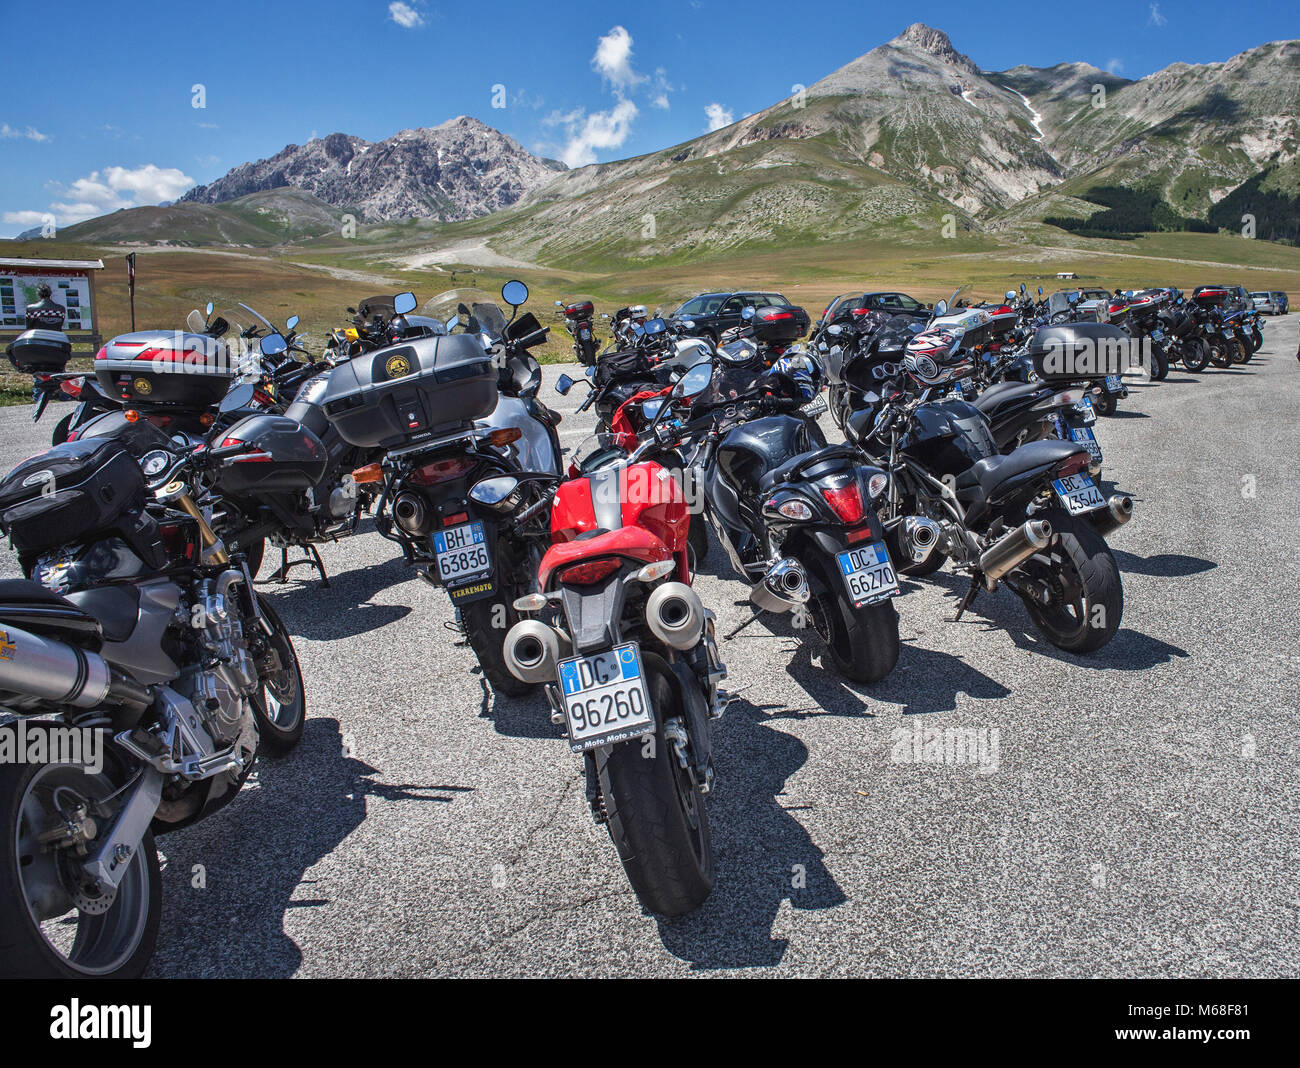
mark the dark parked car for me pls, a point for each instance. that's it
(1281, 301)
(713, 313)
(846, 306)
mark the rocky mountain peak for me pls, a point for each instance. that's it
(923, 38)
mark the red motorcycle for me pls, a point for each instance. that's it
(628, 658)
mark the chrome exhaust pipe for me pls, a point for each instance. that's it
(784, 586)
(63, 674)
(532, 650)
(675, 615)
(921, 536)
(1118, 511)
(1014, 548)
(411, 515)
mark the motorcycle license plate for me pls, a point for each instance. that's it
(1084, 436)
(605, 698)
(868, 573)
(1157, 335)
(814, 408)
(1113, 384)
(1079, 494)
(1085, 409)
(461, 552)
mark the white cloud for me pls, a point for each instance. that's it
(109, 190)
(405, 15)
(660, 101)
(613, 60)
(24, 218)
(1156, 18)
(718, 116)
(1115, 66)
(600, 129)
(31, 133)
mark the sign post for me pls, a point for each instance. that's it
(130, 285)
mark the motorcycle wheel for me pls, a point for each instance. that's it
(656, 815)
(1160, 363)
(1087, 603)
(1104, 405)
(60, 432)
(1256, 340)
(862, 643)
(487, 623)
(1219, 353)
(43, 933)
(280, 706)
(1196, 354)
(1244, 351)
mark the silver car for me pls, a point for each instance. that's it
(1263, 303)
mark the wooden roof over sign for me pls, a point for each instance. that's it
(52, 265)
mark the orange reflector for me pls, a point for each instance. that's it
(369, 473)
(505, 436)
(131, 415)
(207, 419)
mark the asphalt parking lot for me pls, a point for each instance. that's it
(1135, 813)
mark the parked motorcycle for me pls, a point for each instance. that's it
(139, 642)
(1032, 520)
(627, 654)
(450, 411)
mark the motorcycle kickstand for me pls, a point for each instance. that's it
(312, 559)
(966, 601)
(751, 619)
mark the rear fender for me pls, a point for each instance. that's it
(696, 713)
(594, 613)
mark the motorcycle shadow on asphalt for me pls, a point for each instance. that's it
(342, 611)
(1128, 650)
(250, 859)
(763, 855)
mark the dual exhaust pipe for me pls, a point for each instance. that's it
(533, 649)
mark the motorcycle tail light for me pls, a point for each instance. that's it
(71, 386)
(589, 573)
(846, 502)
(440, 471)
(1072, 465)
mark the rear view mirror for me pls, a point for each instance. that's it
(940, 308)
(239, 397)
(747, 312)
(695, 381)
(514, 293)
(403, 303)
(835, 331)
(563, 384)
(195, 321)
(651, 408)
(209, 308)
(292, 323)
(273, 345)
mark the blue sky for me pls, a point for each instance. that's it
(114, 125)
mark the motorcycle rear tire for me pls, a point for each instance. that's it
(1256, 340)
(1087, 558)
(61, 429)
(1103, 404)
(1244, 351)
(1196, 354)
(861, 643)
(1219, 355)
(656, 817)
(1159, 363)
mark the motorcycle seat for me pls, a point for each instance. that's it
(994, 472)
(812, 468)
(1002, 395)
(28, 604)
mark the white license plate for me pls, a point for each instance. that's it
(1113, 384)
(1084, 436)
(1079, 494)
(462, 552)
(868, 573)
(814, 408)
(605, 698)
(1157, 335)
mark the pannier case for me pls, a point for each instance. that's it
(1072, 352)
(166, 367)
(1211, 297)
(286, 456)
(383, 398)
(71, 491)
(579, 310)
(777, 324)
(40, 351)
